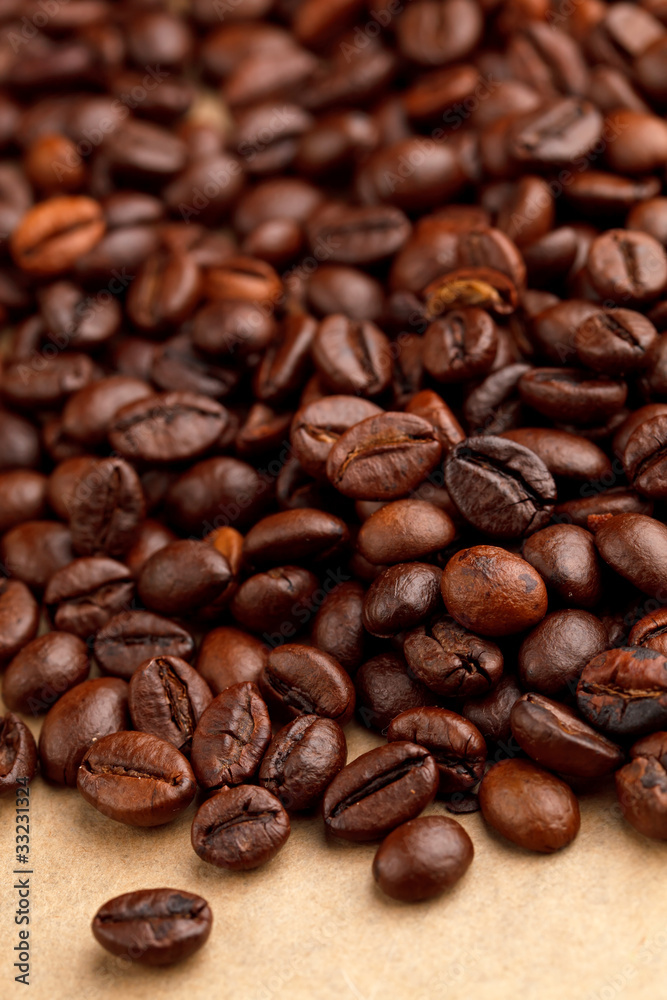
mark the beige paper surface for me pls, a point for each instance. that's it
(589, 923)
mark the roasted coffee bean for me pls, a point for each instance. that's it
(19, 442)
(228, 656)
(183, 576)
(338, 626)
(492, 713)
(240, 828)
(76, 319)
(452, 661)
(499, 486)
(54, 233)
(132, 637)
(357, 235)
(167, 427)
(456, 745)
(566, 558)
(154, 927)
(18, 754)
(19, 617)
(380, 790)
(626, 267)
(422, 858)
(566, 456)
(617, 500)
(386, 687)
(302, 760)
(317, 426)
(643, 457)
(88, 413)
(43, 671)
(554, 653)
(635, 546)
(286, 361)
(106, 508)
(400, 597)
(89, 711)
(431, 407)
(403, 531)
(334, 288)
(136, 778)
(231, 737)
(641, 786)
(352, 357)
(556, 134)
(461, 345)
(167, 697)
(573, 395)
(303, 534)
(216, 492)
(302, 680)
(651, 631)
(232, 327)
(84, 595)
(529, 806)
(152, 536)
(494, 406)
(493, 592)
(615, 341)
(22, 497)
(624, 691)
(275, 601)
(555, 737)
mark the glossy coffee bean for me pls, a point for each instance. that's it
(43, 671)
(302, 680)
(182, 577)
(641, 786)
(216, 492)
(228, 656)
(643, 457)
(635, 545)
(615, 341)
(385, 687)
(317, 426)
(22, 497)
(84, 595)
(273, 603)
(461, 345)
(401, 597)
(493, 592)
(456, 745)
(167, 697)
(33, 551)
(131, 637)
(19, 617)
(432, 407)
(651, 631)
(88, 413)
(167, 427)
(18, 754)
(240, 828)
(624, 691)
(566, 456)
(566, 558)
(357, 235)
(338, 626)
(302, 760)
(380, 790)
(422, 858)
(529, 806)
(572, 394)
(492, 713)
(627, 268)
(136, 778)
(404, 531)
(554, 653)
(231, 737)
(89, 711)
(303, 535)
(452, 661)
(55, 232)
(352, 358)
(153, 927)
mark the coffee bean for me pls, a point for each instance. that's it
(240, 828)
(570, 393)
(228, 656)
(452, 661)
(643, 457)
(352, 357)
(43, 671)
(182, 577)
(492, 713)
(554, 653)
(556, 134)
(460, 346)
(302, 760)
(566, 558)
(431, 407)
(566, 456)
(380, 790)
(276, 601)
(18, 754)
(136, 778)
(651, 632)
(635, 545)
(385, 687)
(302, 534)
(338, 627)
(624, 691)
(615, 341)
(357, 235)
(153, 926)
(422, 858)
(19, 617)
(217, 490)
(167, 697)
(88, 413)
(401, 597)
(302, 680)
(231, 737)
(83, 596)
(529, 806)
(626, 267)
(456, 745)
(132, 637)
(404, 531)
(22, 497)
(641, 786)
(167, 427)
(54, 233)
(317, 426)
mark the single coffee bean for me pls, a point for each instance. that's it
(154, 927)
(617, 500)
(302, 535)
(428, 405)
(240, 828)
(18, 754)
(566, 558)
(351, 357)
(152, 536)
(422, 858)
(317, 426)
(499, 486)
(456, 745)
(651, 631)
(626, 267)
(19, 617)
(22, 497)
(380, 790)
(183, 577)
(33, 551)
(167, 698)
(286, 361)
(554, 653)
(385, 687)
(275, 602)
(635, 546)
(452, 661)
(106, 509)
(404, 531)
(615, 341)
(83, 596)
(555, 737)
(302, 680)
(401, 597)
(338, 627)
(494, 405)
(231, 737)
(643, 457)
(136, 778)
(228, 656)
(383, 457)
(493, 592)
(357, 235)
(624, 691)
(43, 671)
(572, 394)
(302, 760)
(89, 711)
(167, 427)
(556, 134)
(19, 448)
(132, 637)
(566, 456)
(641, 786)
(492, 713)
(529, 806)
(461, 345)
(209, 493)
(54, 233)
(89, 413)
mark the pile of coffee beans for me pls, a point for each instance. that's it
(334, 384)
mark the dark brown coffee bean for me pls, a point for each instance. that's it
(33, 551)
(167, 427)
(401, 597)
(380, 790)
(643, 457)
(493, 592)
(566, 456)
(131, 637)
(403, 531)
(55, 232)
(635, 546)
(422, 858)
(555, 737)
(641, 786)
(572, 394)
(452, 661)
(428, 405)
(317, 426)
(556, 134)
(286, 362)
(651, 631)
(491, 714)
(624, 691)
(154, 927)
(84, 595)
(302, 534)
(228, 656)
(553, 655)
(529, 806)
(240, 828)
(232, 328)
(18, 754)
(19, 442)
(566, 558)
(460, 345)
(22, 497)
(386, 687)
(274, 602)
(352, 357)
(106, 509)
(231, 738)
(43, 671)
(617, 500)
(182, 577)
(167, 698)
(88, 414)
(46, 384)
(626, 267)
(357, 235)
(615, 341)
(19, 617)
(136, 778)
(338, 627)
(84, 714)
(456, 745)
(302, 760)
(302, 680)
(216, 492)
